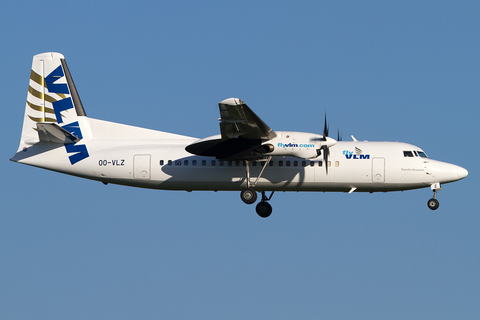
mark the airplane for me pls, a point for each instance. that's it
(247, 156)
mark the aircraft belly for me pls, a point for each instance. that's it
(232, 178)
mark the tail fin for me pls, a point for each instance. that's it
(53, 111)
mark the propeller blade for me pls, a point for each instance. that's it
(325, 129)
(326, 153)
(326, 143)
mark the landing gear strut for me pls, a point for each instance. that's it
(249, 195)
(433, 203)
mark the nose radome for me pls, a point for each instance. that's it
(462, 173)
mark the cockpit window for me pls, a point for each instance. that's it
(407, 153)
(422, 154)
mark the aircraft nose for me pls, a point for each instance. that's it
(462, 172)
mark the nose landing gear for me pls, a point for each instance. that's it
(433, 203)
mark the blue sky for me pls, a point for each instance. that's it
(396, 71)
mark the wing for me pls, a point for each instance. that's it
(239, 121)
(242, 134)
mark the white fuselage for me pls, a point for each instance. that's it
(132, 156)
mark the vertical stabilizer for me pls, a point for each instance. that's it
(52, 99)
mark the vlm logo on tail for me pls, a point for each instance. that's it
(79, 151)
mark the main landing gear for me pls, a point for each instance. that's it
(249, 195)
(264, 209)
(433, 203)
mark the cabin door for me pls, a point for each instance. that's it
(141, 167)
(378, 170)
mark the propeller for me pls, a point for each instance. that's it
(327, 143)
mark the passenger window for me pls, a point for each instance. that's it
(408, 154)
(221, 162)
(213, 163)
(169, 162)
(295, 163)
(194, 162)
(312, 163)
(270, 163)
(304, 163)
(204, 162)
(280, 163)
(288, 163)
(161, 162)
(185, 163)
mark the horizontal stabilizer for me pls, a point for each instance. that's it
(52, 132)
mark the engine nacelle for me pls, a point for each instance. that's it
(265, 148)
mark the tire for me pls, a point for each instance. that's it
(264, 209)
(248, 195)
(433, 204)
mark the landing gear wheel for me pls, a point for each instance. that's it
(264, 209)
(433, 204)
(248, 195)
